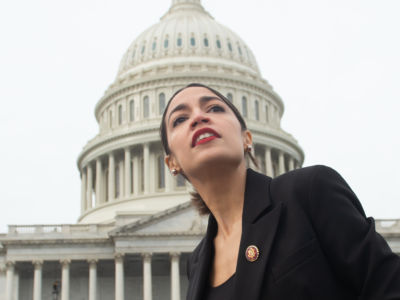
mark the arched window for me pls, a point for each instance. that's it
(205, 42)
(132, 110)
(161, 103)
(161, 172)
(119, 114)
(146, 107)
(218, 44)
(256, 110)
(244, 106)
(179, 42)
(230, 97)
(192, 41)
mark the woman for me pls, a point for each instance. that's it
(302, 235)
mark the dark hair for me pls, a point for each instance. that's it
(197, 201)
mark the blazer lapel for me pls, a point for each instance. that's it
(260, 223)
(197, 284)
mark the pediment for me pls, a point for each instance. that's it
(182, 219)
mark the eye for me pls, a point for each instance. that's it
(216, 108)
(178, 121)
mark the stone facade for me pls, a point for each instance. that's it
(137, 227)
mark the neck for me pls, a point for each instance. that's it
(222, 189)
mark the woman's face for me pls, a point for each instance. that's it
(202, 131)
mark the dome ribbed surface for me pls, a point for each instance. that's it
(187, 33)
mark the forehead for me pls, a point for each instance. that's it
(190, 95)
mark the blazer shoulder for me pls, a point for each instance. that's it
(300, 183)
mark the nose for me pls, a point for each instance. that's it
(199, 118)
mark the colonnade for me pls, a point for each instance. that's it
(136, 170)
(92, 288)
(129, 172)
(275, 165)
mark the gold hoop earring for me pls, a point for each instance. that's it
(174, 172)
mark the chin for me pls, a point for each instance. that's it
(216, 160)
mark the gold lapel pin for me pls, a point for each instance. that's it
(252, 253)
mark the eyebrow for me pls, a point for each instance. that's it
(202, 100)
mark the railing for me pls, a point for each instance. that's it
(382, 226)
(58, 229)
(388, 225)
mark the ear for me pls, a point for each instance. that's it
(247, 138)
(171, 162)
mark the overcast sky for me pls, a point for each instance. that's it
(335, 64)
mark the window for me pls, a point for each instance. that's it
(192, 41)
(205, 42)
(230, 97)
(230, 46)
(153, 47)
(161, 103)
(240, 50)
(166, 43)
(142, 174)
(244, 106)
(161, 172)
(132, 110)
(256, 110)
(218, 44)
(179, 42)
(132, 178)
(117, 182)
(146, 107)
(266, 114)
(133, 54)
(110, 116)
(119, 114)
(180, 180)
(143, 48)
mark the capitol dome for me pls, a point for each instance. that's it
(122, 169)
(187, 33)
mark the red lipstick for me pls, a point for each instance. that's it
(201, 131)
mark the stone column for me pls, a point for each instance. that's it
(111, 177)
(175, 277)
(136, 182)
(268, 162)
(83, 191)
(128, 172)
(65, 279)
(10, 265)
(37, 280)
(92, 279)
(281, 163)
(291, 164)
(89, 190)
(146, 164)
(147, 288)
(119, 277)
(99, 175)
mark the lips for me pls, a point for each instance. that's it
(204, 135)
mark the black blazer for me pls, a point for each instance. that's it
(314, 239)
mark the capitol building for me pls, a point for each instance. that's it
(137, 226)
